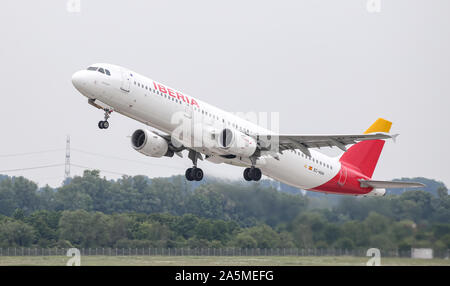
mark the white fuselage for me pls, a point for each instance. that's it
(155, 104)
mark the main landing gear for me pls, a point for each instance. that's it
(194, 173)
(104, 124)
(252, 174)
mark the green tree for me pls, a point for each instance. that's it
(344, 243)
(18, 214)
(25, 194)
(357, 232)
(46, 225)
(244, 240)
(376, 223)
(17, 193)
(120, 227)
(84, 229)
(15, 233)
(264, 236)
(186, 225)
(7, 200)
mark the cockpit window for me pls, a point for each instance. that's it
(102, 70)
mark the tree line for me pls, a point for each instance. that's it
(136, 212)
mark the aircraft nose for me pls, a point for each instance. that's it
(79, 79)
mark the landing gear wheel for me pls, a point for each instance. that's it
(252, 174)
(255, 174)
(247, 174)
(188, 175)
(198, 174)
(103, 124)
(194, 174)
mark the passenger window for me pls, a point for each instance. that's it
(107, 72)
(101, 70)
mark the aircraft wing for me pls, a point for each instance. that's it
(304, 142)
(389, 184)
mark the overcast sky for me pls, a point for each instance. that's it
(325, 66)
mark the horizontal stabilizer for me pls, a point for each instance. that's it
(389, 184)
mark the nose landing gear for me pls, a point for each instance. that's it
(104, 124)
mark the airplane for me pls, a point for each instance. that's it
(230, 139)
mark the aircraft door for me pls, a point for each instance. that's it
(126, 80)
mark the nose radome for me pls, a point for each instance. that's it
(78, 79)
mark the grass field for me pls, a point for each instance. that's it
(215, 261)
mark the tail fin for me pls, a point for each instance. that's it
(364, 155)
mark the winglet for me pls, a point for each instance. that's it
(394, 137)
(381, 125)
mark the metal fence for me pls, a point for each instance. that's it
(16, 251)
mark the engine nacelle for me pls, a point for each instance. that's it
(150, 144)
(236, 143)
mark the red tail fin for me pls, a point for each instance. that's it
(364, 155)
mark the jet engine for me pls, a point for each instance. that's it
(236, 143)
(150, 144)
